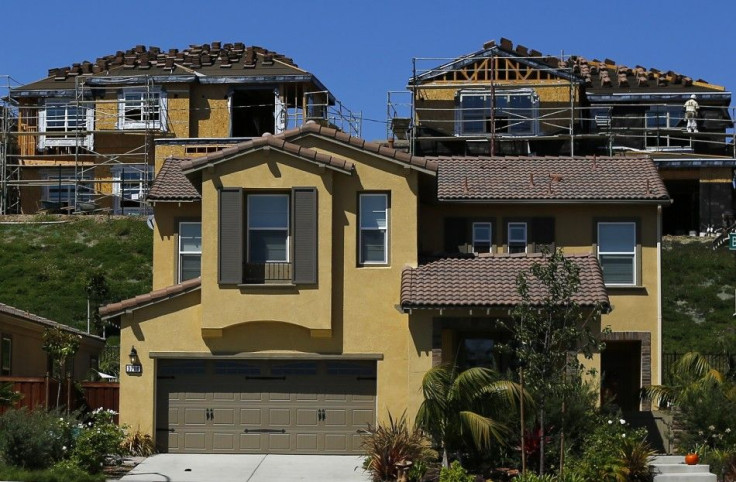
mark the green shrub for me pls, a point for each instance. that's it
(455, 473)
(100, 437)
(34, 439)
(62, 472)
(613, 452)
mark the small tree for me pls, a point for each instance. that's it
(456, 406)
(548, 328)
(60, 345)
(98, 292)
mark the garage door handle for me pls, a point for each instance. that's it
(264, 430)
(165, 430)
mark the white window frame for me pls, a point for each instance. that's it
(631, 253)
(477, 239)
(384, 230)
(517, 241)
(249, 228)
(119, 189)
(140, 103)
(465, 117)
(70, 137)
(189, 253)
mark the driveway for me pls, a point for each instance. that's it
(248, 468)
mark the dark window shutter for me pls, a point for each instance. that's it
(230, 236)
(543, 234)
(456, 235)
(304, 234)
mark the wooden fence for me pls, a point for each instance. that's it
(41, 392)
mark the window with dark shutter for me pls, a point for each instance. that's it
(304, 211)
(543, 231)
(456, 235)
(230, 236)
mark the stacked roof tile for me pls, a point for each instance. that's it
(549, 179)
(490, 282)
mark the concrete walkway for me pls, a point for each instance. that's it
(248, 468)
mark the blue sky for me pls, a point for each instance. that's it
(361, 50)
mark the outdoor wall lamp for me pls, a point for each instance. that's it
(135, 367)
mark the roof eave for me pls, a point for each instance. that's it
(556, 201)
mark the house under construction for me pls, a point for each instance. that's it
(507, 100)
(84, 139)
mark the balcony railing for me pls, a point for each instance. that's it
(267, 273)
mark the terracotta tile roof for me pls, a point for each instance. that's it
(550, 179)
(281, 142)
(489, 281)
(396, 155)
(24, 315)
(215, 59)
(115, 309)
(171, 184)
(265, 141)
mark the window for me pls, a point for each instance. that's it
(130, 185)
(62, 185)
(482, 238)
(142, 109)
(267, 238)
(65, 123)
(6, 355)
(190, 250)
(515, 112)
(268, 228)
(373, 243)
(617, 252)
(517, 238)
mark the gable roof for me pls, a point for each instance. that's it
(115, 309)
(282, 142)
(490, 282)
(170, 184)
(206, 63)
(550, 179)
(267, 141)
(599, 77)
(44, 322)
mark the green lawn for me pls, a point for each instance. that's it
(44, 267)
(697, 295)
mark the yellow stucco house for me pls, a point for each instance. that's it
(305, 281)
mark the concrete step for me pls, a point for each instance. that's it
(685, 478)
(672, 468)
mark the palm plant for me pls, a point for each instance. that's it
(690, 375)
(8, 396)
(457, 407)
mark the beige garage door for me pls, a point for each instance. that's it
(288, 406)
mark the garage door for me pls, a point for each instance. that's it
(258, 406)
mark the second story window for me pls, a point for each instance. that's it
(373, 232)
(268, 228)
(65, 123)
(517, 237)
(190, 250)
(515, 112)
(142, 109)
(617, 252)
(482, 240)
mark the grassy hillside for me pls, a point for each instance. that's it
(44, 269)
(697, 295)
(46, 261)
